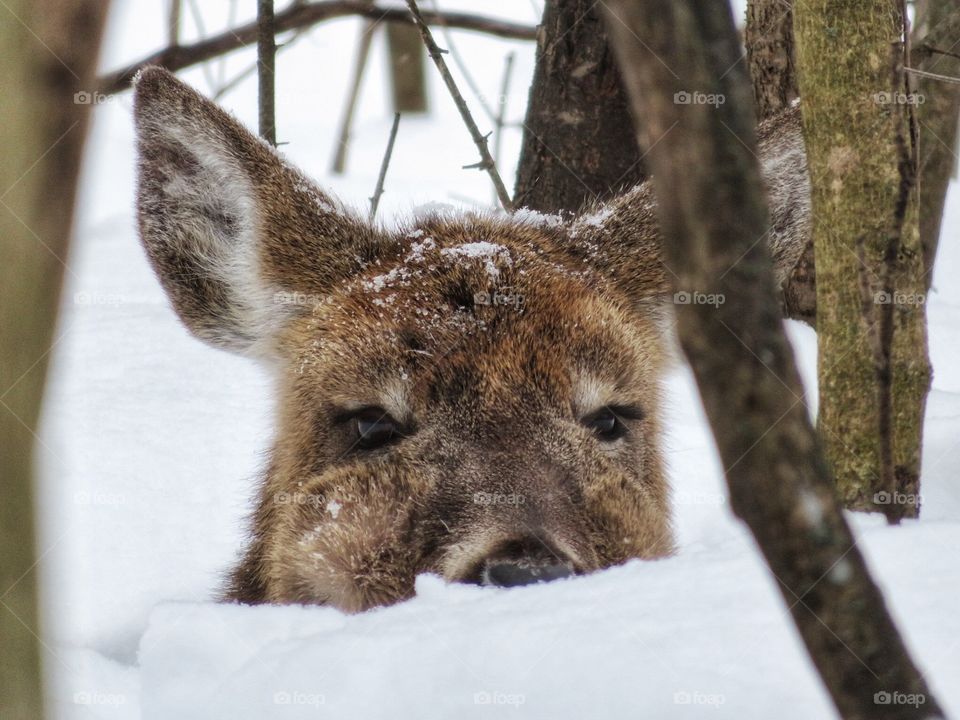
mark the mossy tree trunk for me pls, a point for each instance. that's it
(48, 56)
(853, 113)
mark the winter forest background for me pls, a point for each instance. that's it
(151, 443)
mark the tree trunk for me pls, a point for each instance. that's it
(578, 138)
(407, 78)
(711, 210)
(937, 27)
(769, 41)
(852, 115)
(47, 68)
(770, 57)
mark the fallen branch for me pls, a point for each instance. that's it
(375, 200)
(299, 15)
(486, 160)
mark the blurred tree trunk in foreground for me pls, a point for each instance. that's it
(579, 143)
(711, 207)
(47, 66)
(855, 107)
(936, 32)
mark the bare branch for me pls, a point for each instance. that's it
(375, 200)
(173, 23)
(346, 121)
(500, 120)
(266, 77)
(486, 160)
(299, 16)
(933, 76)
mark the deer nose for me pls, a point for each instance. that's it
(513, 573)
(523, 562)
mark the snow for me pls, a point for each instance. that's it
(152, 444)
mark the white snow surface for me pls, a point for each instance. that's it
(152, 443)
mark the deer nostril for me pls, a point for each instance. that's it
(513, 574)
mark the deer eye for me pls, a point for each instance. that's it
(607, 422)
(375, 428)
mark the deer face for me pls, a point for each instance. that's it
(476, 397)
(467, 407)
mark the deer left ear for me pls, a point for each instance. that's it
(228, 225)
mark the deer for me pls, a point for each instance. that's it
(475, 395)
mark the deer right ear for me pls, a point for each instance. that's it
(227, 224)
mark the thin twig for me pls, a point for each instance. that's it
(375, 200)
(266, 59)
(173, 23)
(933, 76)
(937, 51)
(202, 32)
(463, 67)
(346, 121)
(302, 15)
(502, 107)
(230, 84)
(486, 160)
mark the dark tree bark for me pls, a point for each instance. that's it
(769, 41)
(579, 143)
(937, 29)
(407, 69)
(712, 210)
(47, 66)
(770, 57)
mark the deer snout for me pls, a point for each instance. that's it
(522, 562)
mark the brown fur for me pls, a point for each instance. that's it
(488, 339)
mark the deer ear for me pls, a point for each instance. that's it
(622, 238)
(227, 224)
